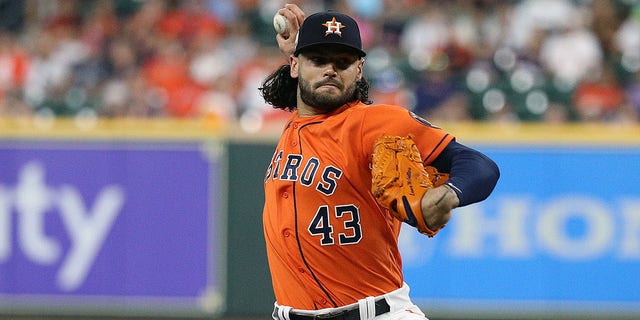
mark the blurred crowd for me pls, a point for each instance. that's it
(448, 60)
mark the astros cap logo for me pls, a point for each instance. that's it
(318, 27)
(334, 27)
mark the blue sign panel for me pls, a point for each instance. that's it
(561, 230)
(115, 220)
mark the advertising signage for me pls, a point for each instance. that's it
(128, 225)
(560, 233)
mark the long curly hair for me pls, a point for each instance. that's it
(279, 89)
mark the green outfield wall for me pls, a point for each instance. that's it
(249, 290)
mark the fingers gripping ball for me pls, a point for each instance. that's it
(399, 180)
(280, 24)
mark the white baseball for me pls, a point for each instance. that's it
(280, 23)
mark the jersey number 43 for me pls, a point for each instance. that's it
(321, 225)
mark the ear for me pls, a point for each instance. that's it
(360, 69)
(293, 62)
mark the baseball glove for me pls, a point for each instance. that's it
(399, 180)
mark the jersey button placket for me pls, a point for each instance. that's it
(295, 126)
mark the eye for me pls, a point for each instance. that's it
(318, 60)
(343, 63)
(340, 62)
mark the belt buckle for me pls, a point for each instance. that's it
(333, 316)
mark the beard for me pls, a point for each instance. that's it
(324, 102)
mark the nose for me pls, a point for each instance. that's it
(330, 70)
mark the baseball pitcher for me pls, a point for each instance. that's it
(347, 174)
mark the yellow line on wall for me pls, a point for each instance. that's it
(172, 129)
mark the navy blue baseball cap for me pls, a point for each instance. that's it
(329, 27)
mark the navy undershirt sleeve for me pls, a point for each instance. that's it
(472, 175)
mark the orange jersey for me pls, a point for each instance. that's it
(329, 243)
